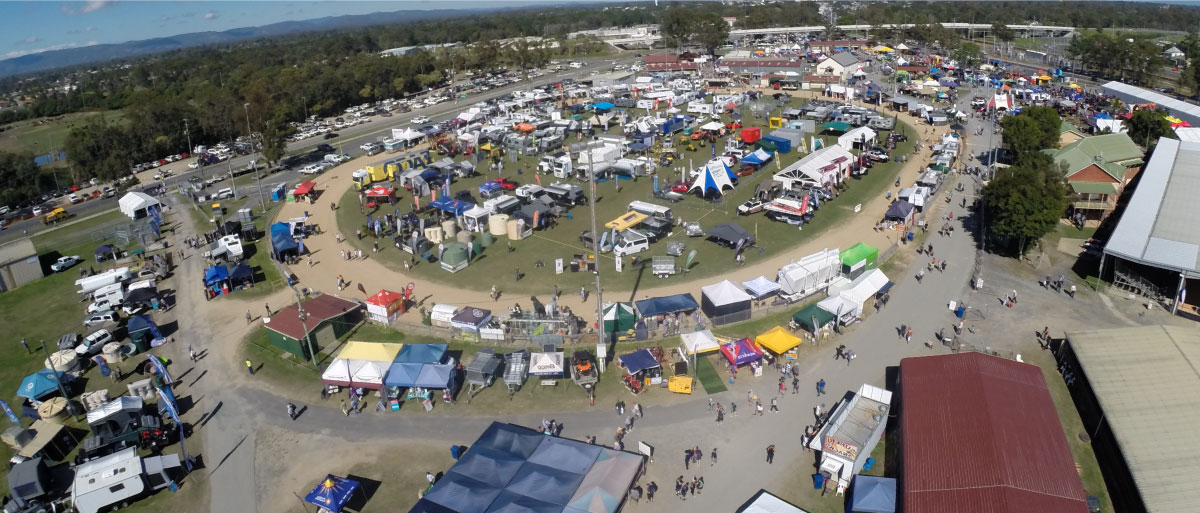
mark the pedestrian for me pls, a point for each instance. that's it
(775, 404)
(582, 294)
(518, 275)
(720, 416)
(782, 386)
(711, 404)
(817, 411)
(1014, 295)
(309, 260)
(637, 410)
(771, 453)
(713, 457)
(733, 408)
(651, 489)
(1045, 333)
(291, 408)
(687, 459)
(840, 352)
(26, 346)
(354, 404)
(555, 296)
(267, 306)
(903, 330)
(849, 356)
(345, 409)
(908, 336)
(1072, 292)
(758, 408)
(750, 397)
(629, 423)
(250, 367)
(429, 477)
(795, 385)
(495, 293)
(821, 387)
(191, 353)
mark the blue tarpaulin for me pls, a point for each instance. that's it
(601, 106)
(757, 157)
(668, 304)
(451, 205)
(332, 493)
(871, 494)
(638, 361)
(40, 384)
(421, 353)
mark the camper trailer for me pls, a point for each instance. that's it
(566, 194)
(121, 478)
(97, 281)
(652, 210)
(558, 164)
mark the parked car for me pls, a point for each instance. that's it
(225, 193)
(101, 318)
(105, 304)
(505, 183)
(420, 119)
(750, 206)
(92, 343)
(312, 169)
(64, 263)
(331, 135)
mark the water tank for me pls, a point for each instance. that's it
(464, 237)
(486, 239)
(514, 229)
(111, 352)
(63, 361)
(450, 228)
(498, 224)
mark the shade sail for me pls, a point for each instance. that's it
(741, 352)
(546, 364)
(332, 493)
(638, 361)
(778, 340)
(668, 304)
(421, 353)
(370, 351)
(699, 342)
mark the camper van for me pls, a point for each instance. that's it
(558, 165)
(656, 228)
(631, 242)
(503, 204)
(566, 194)
(652, 210)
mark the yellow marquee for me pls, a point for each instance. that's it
(778, 340)
(370, 351)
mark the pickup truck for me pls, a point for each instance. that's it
(372, 148)
(64, 263)
(312, 169)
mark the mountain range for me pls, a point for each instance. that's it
(98, 53)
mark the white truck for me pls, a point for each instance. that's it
(97, 281)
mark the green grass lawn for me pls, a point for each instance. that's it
(40, 136)
(496, 265)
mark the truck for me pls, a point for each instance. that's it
(56, 215)
(95, 282)
(558, 164)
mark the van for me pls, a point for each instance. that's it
(656, 228)
(652, 210)
(225, 193)
(631, 242)
(566, 194)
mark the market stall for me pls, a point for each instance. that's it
(725, 302)
(812, 318)
(548, 366)
(385, 306)
(698, 342)
(641, 369)
(779, 341)
(619, 317)
(743, 352)
(471, 319)
(761, 287)
(332, 493)
(442, 315)
(337, 373)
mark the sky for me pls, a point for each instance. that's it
(33, 27)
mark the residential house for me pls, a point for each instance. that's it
(1173, 54)
(1068, 133)
(841, 65)
(1097, 170)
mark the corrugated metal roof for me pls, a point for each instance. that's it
(1158, 227)
(1189, 112)
(1150, 395)
(981, 434)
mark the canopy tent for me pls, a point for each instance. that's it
(862, 136)
(384, 307)
(41, 384)
(435, 376)
(403, 374)
(899, 211)
(137, 205)
(664, 305)
(451, 206)
(812, 318)
(368, 374)
(834, 126)
(761, 287)
(837, 306)
(741, 352)
(215, 274)
(471, 319)
(699, 342)
(757, 157)
(102, 253)
(712, 125)
(370, 351)
(337, 373)
(778, 340)
(714, 176)
(873, 494)
(421, 353)
(638, 361)
(304, 187)
(619, 317)
(864, 288)
(765, 502)
(546, 364)
(725, 302)
(730, 234)
(602, 490)
(332, 493)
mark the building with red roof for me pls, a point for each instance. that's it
(326, 318)
(981, 434)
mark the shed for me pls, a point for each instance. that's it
(325, 320)
(19, 264)
(725, 302)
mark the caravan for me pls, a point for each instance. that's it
(652, 210)
(558, 164)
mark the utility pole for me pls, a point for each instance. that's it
(188, 133)
(312, 353)
(253, 163)
(596, 238)
(71, 409)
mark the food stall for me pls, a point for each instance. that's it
(385, 306)
(743, 352)
(779, 341)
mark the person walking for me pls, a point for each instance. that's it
(345, 408)
(250, 367)
(249, 317)
(267, 306)
(758, 409)
(821, 387)
(775, 404)
(817, 411)
(713, 457)
(651, 489)
(907, 337)
(518, 274)
(782, 386)
(291, 408)
(1072, 292)
(637, 410)
(771, 454)
(191, 353)
(687, 459)
(582, 294)
(25, 344)
(795, 385)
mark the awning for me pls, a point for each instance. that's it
(304, 188)
(778, 340)
(546, 364)
(332, 493)
(638, 361)
(669, 304)
(741, 352)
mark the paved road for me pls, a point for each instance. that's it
(348, 142)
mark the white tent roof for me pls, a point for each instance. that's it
(365, 371)
(859, 134)
(760, 286)
(712, 125)
(408, 134)
(546, 363)
(767, 503)
(134, 201)
(725, 293)
(813, 167)
(836, 304)
(699, 342)
(714, 174)
(865, 286)
(338, 370)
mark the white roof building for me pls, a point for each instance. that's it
(136, 205)
(823, 167)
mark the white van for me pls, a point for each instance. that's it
(225, 193)
(631, 242)
(651, 210)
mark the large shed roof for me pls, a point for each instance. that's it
(981, 434)
(1189, 112)
(1146, 382)
(1158, 227)
(316, 310)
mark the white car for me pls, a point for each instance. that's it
(101, 305)
(74, 198)
(101, 318)
(94, 342)
(64, 263)
(225, 193)
(311, 169)
(39, 210)
(195, 164)
(750, 206)
(420, 119)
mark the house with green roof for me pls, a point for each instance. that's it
(1097, 170)
(1068, 133)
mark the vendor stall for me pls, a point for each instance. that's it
(725, 302)
(385, 306)
(303, 192)
(779, 341)
(41, 384)
(761, 287)
(641, 369)
(548, 366)
(471, 319)
(332, 493)
(216, 281)
(699, 342)
(743, 352)
(848, 438)
(442, 315)
(665, 305)
(812, 318)
(337, 373)
(619, 317)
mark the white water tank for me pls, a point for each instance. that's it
(498, 224)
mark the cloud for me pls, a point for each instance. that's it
(210, 15)
(28, 40)
(64, 46)
(88, 6)
(164, 18)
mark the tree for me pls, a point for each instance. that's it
(274, 144)
(967, 54)
(1033, 130)
(711, 31)
(676, 27)
(1002, 32)
(1147, 126)
(1024, 202)
(1048, 123)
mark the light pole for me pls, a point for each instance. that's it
(312, 354)
(596, 237)
(188, 133)
(253, 163)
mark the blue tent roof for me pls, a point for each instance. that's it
(757, 158)
(282, 241)
(638, 361)
(899, 210)
(668, 304)
(403, 374)
(509, 439)
(451, 205)
(281, 227)
(601, 106)
(873, 494)
(566, 455)
(488, 465)
(332, 493)
(545, 483)
(421, 353)
(215, 274)
(242, 270)
(463, 494)
(139, 323)
(489, 187)
(509, 502)
(435, 375)
(40, 384)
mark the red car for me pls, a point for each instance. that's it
(505, 183)
(680, 187)
(733, 125)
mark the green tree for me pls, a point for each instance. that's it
(967, 54)
(711, 31)
(1048, 123)
(1147, 126)
(1002, 32)
(676, 27)
(1024, 202)
(274, 144)
(1022, 136)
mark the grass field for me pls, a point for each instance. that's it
(496, 265)
(42, 135)
(267, 275)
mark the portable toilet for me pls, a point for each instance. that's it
(278, 193)
(751, 135)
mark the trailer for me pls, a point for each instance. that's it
(663, 266)
(482, 371)
(585, 374)
(516, 370)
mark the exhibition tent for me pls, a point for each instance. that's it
(337, 373)
(812, 318)
(421, 353)
(871, 494)
(546, 364)
(764, 502)
(368, 374)
(864, 288)
(40, 384)
(619, 317)
(435, 376)
(451, 206)
(370, 351)
(778, 340)
(761, 286)
(725, 302)
(741, 352)
(638, 361)
(699, 342)
(713, 177)
(604, 486)
(332, 493)
(757, 157)
(471, 319)
(664, 305)
(858, 257)
(403, 374)
(730, 234)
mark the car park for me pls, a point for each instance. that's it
(64, 263)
